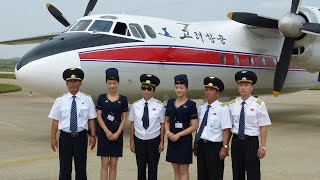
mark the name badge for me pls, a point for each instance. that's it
(178, 125)
(110, 117)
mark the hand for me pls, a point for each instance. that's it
(132, 147)
(175, 137)
(109, 134)
(161, 147)
(223, 153)
(261, 153)
(195, 149)
(54, 144)
(92, 142)
(170, 134)
(114, 137)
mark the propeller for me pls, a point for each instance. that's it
(291, 26)
(58, 15)
(90, 7)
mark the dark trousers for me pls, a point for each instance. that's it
(73, 148)
(244, 158)
(147, 155)
(209, 165)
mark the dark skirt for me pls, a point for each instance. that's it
(109, 148)
(179, 152)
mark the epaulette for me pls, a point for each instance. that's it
(232, 101)
(259, 101)
(136, 101)
(159, 102)
(86, 94)
(222, 105)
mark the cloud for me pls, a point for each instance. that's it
(278, 4)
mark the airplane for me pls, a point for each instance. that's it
(282, 52)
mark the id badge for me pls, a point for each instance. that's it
(178, 125)
(110, 117)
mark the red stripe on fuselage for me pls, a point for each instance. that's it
(179, 55)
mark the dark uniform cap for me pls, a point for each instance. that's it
(181, 79)
(73, 73)
(245, 76)
(149, 79)
(112, 74)
(213, 82)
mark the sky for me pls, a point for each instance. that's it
(28, 18)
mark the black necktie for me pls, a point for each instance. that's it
(145, 117)
(203, 124)
(242, 123)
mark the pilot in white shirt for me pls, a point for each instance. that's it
(73, 114)
(250, 120)
(147, 128)
(213, 134)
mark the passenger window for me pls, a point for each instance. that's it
(263, 61)
(251, 61)
(150, 31)
(137, 30)
(236, 59)
(81, 25)
(223, 59)
(121, 28)
(101, 26)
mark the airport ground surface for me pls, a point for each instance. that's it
(292, 147)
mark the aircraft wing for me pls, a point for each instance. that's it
(29, 40)
(264, 32)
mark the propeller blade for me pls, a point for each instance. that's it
(295, 6)
(283, 65)
(253, 19)
(312, 28)
(57, 14)
(90, 7)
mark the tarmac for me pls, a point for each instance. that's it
(292, 145)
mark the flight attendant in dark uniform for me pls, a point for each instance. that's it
(180, 122)
(147, 128)
(112, 111)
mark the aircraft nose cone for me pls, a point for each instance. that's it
(45, 75)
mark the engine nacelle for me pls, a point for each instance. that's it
(307, 48)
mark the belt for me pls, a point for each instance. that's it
(204, 141)
(74, 134)
(246, 137)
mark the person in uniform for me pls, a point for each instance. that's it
(72, 114)
(180, 122)
(250, 120)
(112, 111)
(147, 128)
(213, 134)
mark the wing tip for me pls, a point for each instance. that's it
(275, 93)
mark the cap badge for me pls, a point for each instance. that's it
(149, 75)
(148, 81)
(73, 76)
(210, 84)
(211, 77)
(244, 78)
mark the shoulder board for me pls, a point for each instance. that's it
(222, 105)
(259, 101)
(136, 101)
(159, 102)
(86, 94)
(232, 101)
(61, 95)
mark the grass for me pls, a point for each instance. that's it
(7, 65)
(5, 88)
(315, 88)
(7, 76)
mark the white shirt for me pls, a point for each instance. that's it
(256, 115)
(218, 119)
(156, 117)
(61, 108)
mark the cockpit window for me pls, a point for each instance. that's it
(101, 26)
(122, 29)
(150, 31)
(81, 25)
(137, 30)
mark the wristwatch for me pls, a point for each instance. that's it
(264, 148)
(225, 146)
(93, 136)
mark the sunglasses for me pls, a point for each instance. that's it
(146, 88)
